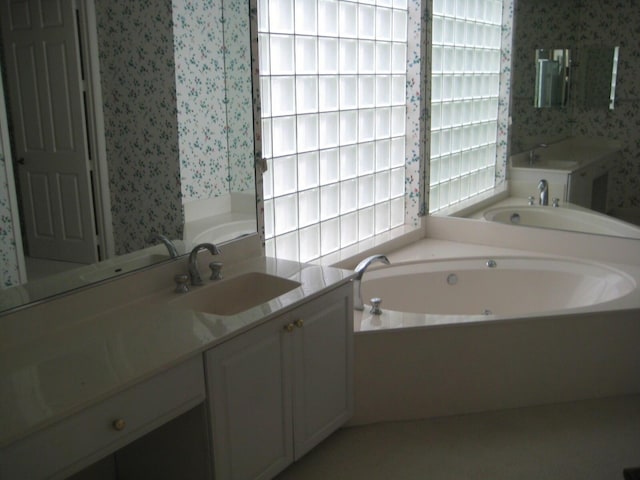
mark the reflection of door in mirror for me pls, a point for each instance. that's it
(552, 78)
(51, 142)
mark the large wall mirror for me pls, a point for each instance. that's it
(130, 125)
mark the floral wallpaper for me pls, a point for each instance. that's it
(135, 40)
(9, 274)
(577, 24)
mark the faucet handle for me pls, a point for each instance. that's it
(375, 306)
(182, 283)
(531, 200)
(555, 202)
(216, 270)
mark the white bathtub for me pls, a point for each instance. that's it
(511, 286)
(559, 330)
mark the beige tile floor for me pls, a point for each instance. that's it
(588, 440)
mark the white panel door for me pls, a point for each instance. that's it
(46, 97)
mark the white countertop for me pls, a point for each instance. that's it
(49, 373)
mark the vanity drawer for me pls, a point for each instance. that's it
(79, 440)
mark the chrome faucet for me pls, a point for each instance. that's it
(532, 153)
(357, 281)
(194, 274)
(173, 251)
(543, 189)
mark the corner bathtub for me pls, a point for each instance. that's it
(458, 336)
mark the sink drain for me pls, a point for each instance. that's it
(486, 311)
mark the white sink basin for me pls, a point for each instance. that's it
(236, 294)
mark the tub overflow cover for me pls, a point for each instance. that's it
(452, 279)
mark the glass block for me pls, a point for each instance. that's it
(448, 59)
(348, 92)
(459, 37)
(366, 122)
(383, 57)
(348, 162)
(398, 90)
(348, 196)
(348, 56)
(383, 155)
(447, 88)
(365, 223)
(382, 217)
(282, 55)
(307, 133)
(366, 91)
(263, 15)
(455, 165)
(383, 90)
(444, 195)
(438, 7)
(449, 8)
(348, 127)
(329, 166)
(284, 136)
(308, 170)
(397, 212)
(397, 152)
(445, 142)
(267, 139)
(328, 86)
(397, 182)
(434, 171)
(265, 96)
(366, 158)
(448, 29)
(285, 176)
(434, 198)
(267, 181)
(264, 57)
(348, 229)
(287, 247)
(309, 243)
(306, 94)
(329, 201)
(398, 119)
(384, 3)
(383, 24)
(383, 118)
(366, 56)
(329, 129)
(306, 12)
(399, 58)
(328, 55)
(400, 26)
(461, 8)
(436, 88)
(467, 86)
(268, 218)
(456, 139)
(436, 59)
(309, 205)
(366, 21)
(329, 236)
(366, 190)
(283, 100)
(281, 16)
(382, 186)
(435, 144)
(270, 247)
(306, 55)
(328, 18)
(289, 221)
(348, 23)
(458, 62)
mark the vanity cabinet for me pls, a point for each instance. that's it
(279, 389)
(97, 431)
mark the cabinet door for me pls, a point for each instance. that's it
(249, 389)
(323, 367)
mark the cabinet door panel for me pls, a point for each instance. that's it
(323, 354)
(250, 407)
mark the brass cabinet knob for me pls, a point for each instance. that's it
(289, 327)
(119, 424)
(299, 323)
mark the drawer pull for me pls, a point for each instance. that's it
(289, 328)
(119, 424)
(299, 323)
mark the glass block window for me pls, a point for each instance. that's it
(333, 93)
(464, 99)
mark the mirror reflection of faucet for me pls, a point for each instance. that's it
(533, 156)
(543, 190)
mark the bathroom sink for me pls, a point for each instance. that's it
(548, 164)
(234, 295)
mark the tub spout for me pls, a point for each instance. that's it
(360, 269)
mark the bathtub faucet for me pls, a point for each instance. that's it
(173, 251)
(543, 188)
(360, 269)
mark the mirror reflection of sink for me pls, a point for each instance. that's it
(116, 266)
(234, 295)
(548, 164)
